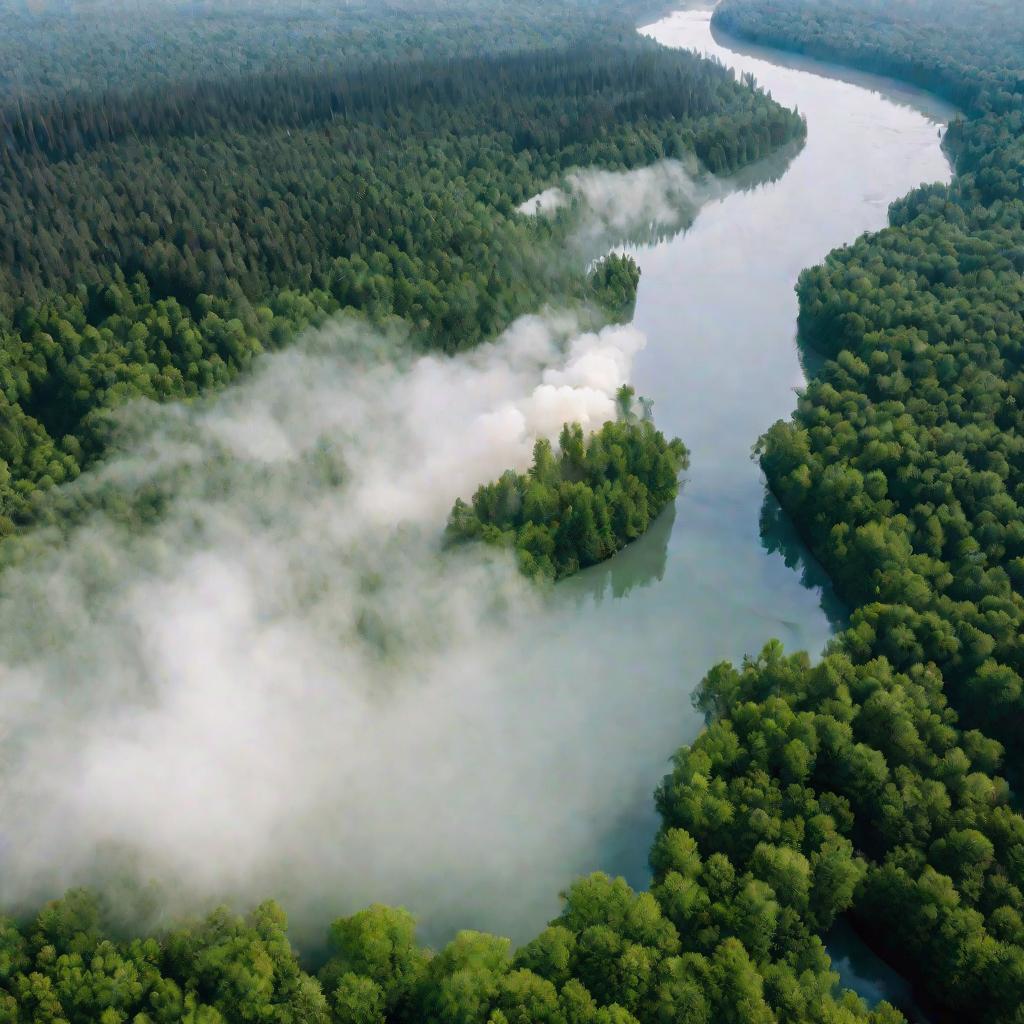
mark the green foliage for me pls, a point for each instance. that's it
(579, 506)
(378, 963)
(711, 942)
(968, 52)
(847, 787)
(613, 283)
(161, 228)
(937, 883)
(903, 467)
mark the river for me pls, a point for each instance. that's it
(723, 573)
(539, 762)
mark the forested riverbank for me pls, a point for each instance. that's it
(158, 233)
(902, 467)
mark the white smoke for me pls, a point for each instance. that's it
(618, 204)
(545, 203)
(279, 687)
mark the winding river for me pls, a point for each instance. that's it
(472, 803)
(723, 574)
(550, 753)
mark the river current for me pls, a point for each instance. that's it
(724, 572)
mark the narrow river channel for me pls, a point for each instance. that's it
(723, 574)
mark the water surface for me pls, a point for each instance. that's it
(538, 763)
(596, 692)
(717, 303)
(602, 686)
(725, 572)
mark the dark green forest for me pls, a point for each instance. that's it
(903, 467)
(89, 46)
(581, 505)
(155, 236)
(876, 784)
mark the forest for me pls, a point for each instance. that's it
(580, 506)
(876, 783)
(903, 468)
(90, 46)
(155, 236)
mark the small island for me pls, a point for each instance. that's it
(580, 505)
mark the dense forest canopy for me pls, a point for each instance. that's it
(904, 469)
(868, 784)
(157, 232)
(580, 506)
(696, 949)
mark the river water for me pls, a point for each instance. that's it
(723, 573)
(549, 755)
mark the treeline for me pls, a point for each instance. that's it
(581, 505)
(596, 87)
(153, 241)
(53, 48)
(903, 467)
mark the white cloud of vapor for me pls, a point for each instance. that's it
(622, 204)
(278, 687)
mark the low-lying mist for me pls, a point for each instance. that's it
(278, 686)
(630, 206)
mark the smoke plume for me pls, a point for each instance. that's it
(629, 205)
(252, 673)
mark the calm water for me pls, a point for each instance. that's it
(724, 572)
(570, 731)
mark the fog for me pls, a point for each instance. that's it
(280, 686)
(614, 205)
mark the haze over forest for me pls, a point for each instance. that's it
(324, 336)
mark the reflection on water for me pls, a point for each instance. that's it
(639, 236)
(868, 975)
(709, 188)
(638, 565)
(812, 361)
(722, 364)
(779, 536)
(768, 171)
(892, 89)
(718, 307)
